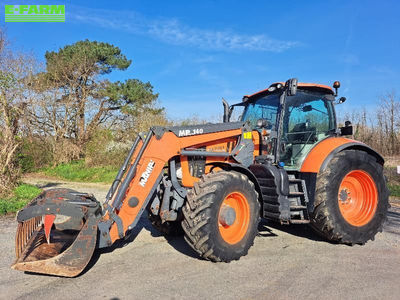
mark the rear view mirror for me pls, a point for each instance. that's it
(347, 129)
(226, 116)
(292, 86)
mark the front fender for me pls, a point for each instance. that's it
(241, 169)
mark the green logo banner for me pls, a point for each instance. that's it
(34, 13)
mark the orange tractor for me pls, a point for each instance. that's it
(285, 160)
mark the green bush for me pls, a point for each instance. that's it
(21, 195)
(78, 171)
(393, 180)
(394, 190)
(391, 174)
(104, 150)
(34, 154)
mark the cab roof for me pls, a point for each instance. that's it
(301, 85)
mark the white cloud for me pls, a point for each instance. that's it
(350, 59)
(172, 31)
(384, 70)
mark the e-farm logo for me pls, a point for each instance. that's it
(34, 13)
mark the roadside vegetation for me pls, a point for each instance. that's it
(18, 198)
(394, 190)
(78, 171)
(66, 118)
(392, 177)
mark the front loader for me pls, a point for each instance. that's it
(284, 160)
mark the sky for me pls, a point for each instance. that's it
(196, 52)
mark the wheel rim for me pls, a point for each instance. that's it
(235, 232)
(358, 198)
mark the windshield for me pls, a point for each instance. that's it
(263, 108)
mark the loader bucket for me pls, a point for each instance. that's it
(64, 246)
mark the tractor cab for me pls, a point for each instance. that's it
(290, 124)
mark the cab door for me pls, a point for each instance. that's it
(308, 119)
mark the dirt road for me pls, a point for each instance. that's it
(285, 262)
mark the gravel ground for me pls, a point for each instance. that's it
(285, 262)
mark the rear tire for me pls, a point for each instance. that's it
(211, 227)
(351, 199)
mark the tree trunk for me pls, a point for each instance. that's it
(8, 171)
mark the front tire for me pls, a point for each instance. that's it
(221, 216)
(351, 199)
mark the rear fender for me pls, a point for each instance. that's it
(352, 146)
(322, 153)
(320, 156)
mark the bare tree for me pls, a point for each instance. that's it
(389, 117)
(15, 73)
(380, 127)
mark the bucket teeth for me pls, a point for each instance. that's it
(48, 223)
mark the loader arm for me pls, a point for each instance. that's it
(60, 229)
(131, 194)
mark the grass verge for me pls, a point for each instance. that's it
(21, 195)
(78, 171)
(394, 190)
(393, 180)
